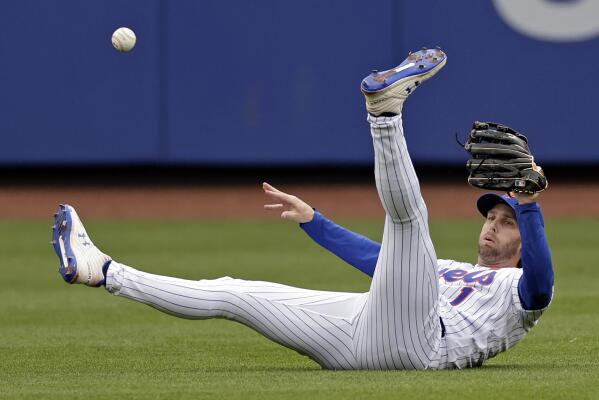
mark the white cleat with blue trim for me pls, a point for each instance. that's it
(80, 260)
(386, 91)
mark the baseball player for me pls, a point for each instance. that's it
(420, 312)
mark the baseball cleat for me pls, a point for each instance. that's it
(80, 260)
(386, 91)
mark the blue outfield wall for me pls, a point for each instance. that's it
(274, 82)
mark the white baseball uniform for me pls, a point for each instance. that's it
(419, 313)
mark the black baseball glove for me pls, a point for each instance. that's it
(501, 160)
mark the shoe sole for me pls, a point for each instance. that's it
(61, 234)
(422, 64)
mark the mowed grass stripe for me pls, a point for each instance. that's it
(61, 341)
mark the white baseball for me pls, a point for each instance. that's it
(123, 39)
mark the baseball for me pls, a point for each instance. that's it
(123, 39)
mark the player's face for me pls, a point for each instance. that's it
(499, 241)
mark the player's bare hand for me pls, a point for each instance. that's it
(291, 207)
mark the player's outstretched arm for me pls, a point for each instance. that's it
(536, 284)
(357, 250)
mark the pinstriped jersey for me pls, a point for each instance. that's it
(481, 311)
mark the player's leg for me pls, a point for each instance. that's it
(318, 324)
(296, 318)
(400, 326)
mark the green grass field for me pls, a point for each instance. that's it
(61, 341)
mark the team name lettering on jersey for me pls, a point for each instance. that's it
(481, 277)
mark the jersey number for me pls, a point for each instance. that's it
(464, 293)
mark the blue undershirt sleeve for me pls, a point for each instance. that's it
(357, 250)
(536, 284)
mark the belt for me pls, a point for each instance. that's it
(442, 327)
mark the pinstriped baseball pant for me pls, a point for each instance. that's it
(393, 326)
(399, 327)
